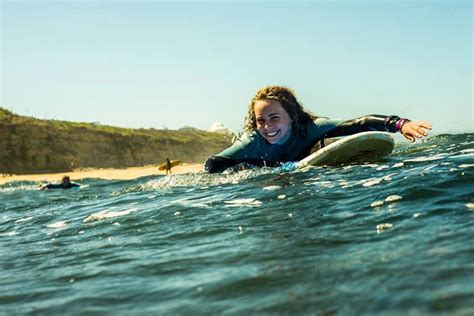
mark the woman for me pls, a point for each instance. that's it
(278, 130)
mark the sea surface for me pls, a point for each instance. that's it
(391, 238)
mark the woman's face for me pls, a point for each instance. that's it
(273, 122)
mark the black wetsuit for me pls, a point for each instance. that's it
(61, 186)
(253, 149)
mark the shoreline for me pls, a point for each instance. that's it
(107, 174)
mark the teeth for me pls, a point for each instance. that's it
(271, 134)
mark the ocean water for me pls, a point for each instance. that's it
(391, 238)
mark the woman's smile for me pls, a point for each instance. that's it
(273, 122)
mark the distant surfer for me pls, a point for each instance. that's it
(65, 184)
(278, 129)
(168, 166)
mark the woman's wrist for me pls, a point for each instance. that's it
(399, 124)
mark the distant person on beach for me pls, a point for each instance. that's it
(278, 129)
(168, 166)
(65, 184)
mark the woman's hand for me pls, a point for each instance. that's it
(414, 130)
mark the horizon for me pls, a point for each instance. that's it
(397, 136)
(162, 65)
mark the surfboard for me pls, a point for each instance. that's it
(357, 148)
(174, 163)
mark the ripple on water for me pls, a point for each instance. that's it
(107, 214)
(243, 202)
(302, 242)
(59, 224)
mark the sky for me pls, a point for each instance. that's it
(157, 64)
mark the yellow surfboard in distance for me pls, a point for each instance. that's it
(174, 163)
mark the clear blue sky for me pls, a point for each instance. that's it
(155, 64)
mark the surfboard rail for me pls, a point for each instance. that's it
(358, 148)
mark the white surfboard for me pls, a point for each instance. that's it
(357, 148)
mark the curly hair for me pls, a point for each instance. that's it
(287, 99)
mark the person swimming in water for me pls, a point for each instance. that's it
(278, 129)
(65, 184)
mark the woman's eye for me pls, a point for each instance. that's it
(260, 121)
(274, 118)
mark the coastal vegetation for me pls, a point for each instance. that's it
(29, 145)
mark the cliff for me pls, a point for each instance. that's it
(29, 145)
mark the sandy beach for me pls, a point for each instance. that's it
(111, 174)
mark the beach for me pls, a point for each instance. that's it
(109, 174)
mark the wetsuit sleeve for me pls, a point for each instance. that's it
(248, 149)
(53, 186)
(60, 186)
(216, 164)
(366, 123)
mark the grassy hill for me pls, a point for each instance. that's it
(29, 145)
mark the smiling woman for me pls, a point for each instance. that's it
(273, 123)
(279, 130)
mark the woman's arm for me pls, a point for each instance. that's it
(219, 164)
(411, 130)
(249, 150)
